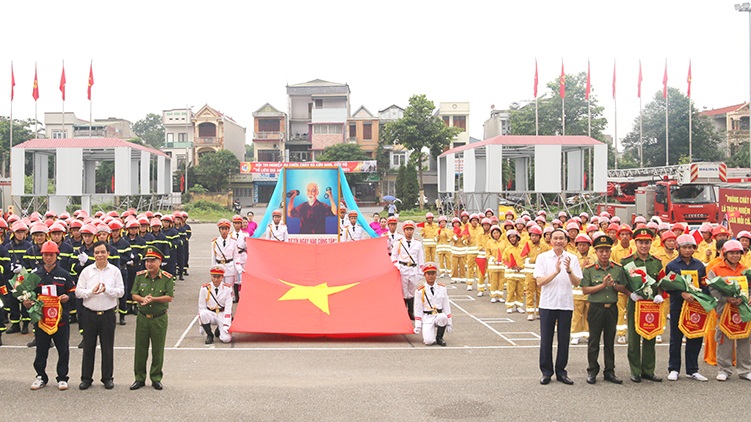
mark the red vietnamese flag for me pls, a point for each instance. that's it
(511, 261)
(589, 86)
(12, 82)
(688, 79)
(638, 91)
(536, 78)
(697, 236)
(665, 81)
(35, 91)
(91, 78)
(62, 82)
(525, 250)
(421, 224)
(329, 290)
(562, 82)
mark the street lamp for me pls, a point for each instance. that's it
(746, 7)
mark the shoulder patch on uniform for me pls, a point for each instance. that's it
(168, 274)
(421, 287)
(205, 285)
(616, 263)
(627, 256)
(441, 284)
(590, 265)
(227, 284)
(142, 272)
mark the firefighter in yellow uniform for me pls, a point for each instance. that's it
(429, 233)
(623, 248)
(532, 290)
(458, 252)
(745, 238)
(514, 277)
(572, 228)
(586, 256)
(443, 247)
(473, 249)
(482, 274)
(494, 252)
(706, 246)
(657, 243)
(666, 253)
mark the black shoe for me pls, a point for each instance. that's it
(635, 378)
(545, 380)
(651, 377)
(84, 385)
(185, 273)
(122, 319)
(33, 343)
(612, 378)
(209, 334)
(25, 329)
(73, 318)
(1, 338)
(441, 342)
(591, 379)
(439, 336)
(564, 379)
(14, 328)
(109, 384)
(209, 340)
(137, 384)
(80, 345)
(157, 385)
(180, 278)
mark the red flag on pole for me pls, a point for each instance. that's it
(563, 82)
(589, 86)
(62, 82)
(697, 236)
(614, 79)
(688, 92)
(91, 78)
(511, 261)
(665, 81)
(35, 92)
(308, 298)
(638, 92)
(525, 251)
(536, 79)
(12, 82)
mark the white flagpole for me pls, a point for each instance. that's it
(667, 143)
(65, 132)
(10, 149)
(563, 114)
(91, 100)
(537, 125)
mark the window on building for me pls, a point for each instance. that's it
(319, 103)
(58, 134)
(460, 122)
(206, 130)
(170, 138)
(327, 129)
(182, 137)
(398, 159)
(390, 187)
(268, 125)
(367, 131)
(353, 131)
(446, 120)
(268, 155)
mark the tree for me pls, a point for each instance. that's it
(705, 143)
(22, 132)
(150, 130)
(407, 188)
(522, 120)
(249, 152)
(104, 174)
(345, 152)
(214, 170)
(420, 129)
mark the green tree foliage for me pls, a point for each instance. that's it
(705, 143)
(22, 131)
(345, 152)
(407, 188)
(249, 152)
(522, 120)
(150, 130)
(214, 170)
(104, 173)
(420, 129)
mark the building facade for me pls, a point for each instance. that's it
(318, 112)
(732, 122)
(59, 126)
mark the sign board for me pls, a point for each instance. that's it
(267, 167)
(735, 208)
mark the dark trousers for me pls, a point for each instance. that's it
(180, 260)
(602, 319)
(641, 352)
(548, 320)
(693, 346)
(43, 349)
(122, 305)
(101, 325)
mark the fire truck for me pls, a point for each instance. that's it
(684, 192)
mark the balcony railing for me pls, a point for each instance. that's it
(212, 140)
(271, 136)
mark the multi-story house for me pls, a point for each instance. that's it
(72, 127)
(497, 124)
(363, 129)
(178, 136)
(456, 114)
(732, 122)
(215, 131)
(269, 134)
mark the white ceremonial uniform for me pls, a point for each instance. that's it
(432, 310)
(276, 232)
(408, 257)
(353, 233)
(343, 225)
(225, 252)
(392, 239)
(215, 307)
(242, 256)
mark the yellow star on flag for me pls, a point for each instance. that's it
(317, 295)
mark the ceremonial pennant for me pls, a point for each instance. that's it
(648, 317)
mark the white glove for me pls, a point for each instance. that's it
(636, 297)
(658, 299)
(129, 263)
(418, 330)
(448, 328)
(82, 258)
(17, 268)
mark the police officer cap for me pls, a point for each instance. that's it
(643, 233)
(602, 242)
(153, 253)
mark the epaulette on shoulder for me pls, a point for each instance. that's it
(421, 287)
(227, 284)
(628, 256)
(441, 284)
(205, 285)
(142, 272)
(616, 263)
(168, 274)
(590, 265)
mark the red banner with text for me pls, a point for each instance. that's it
(735, 208)
(266, 167)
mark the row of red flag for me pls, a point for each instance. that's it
(35, 90)
(562, 81)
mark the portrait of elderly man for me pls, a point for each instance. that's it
(312, 213)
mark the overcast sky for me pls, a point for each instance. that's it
(238, 55)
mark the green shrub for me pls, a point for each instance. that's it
(204, 206)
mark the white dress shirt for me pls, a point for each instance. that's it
(92, 276)
(559, 293)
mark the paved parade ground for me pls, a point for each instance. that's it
(489, 371)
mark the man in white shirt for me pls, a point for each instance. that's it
(224, 252)
(392, 235)
(240, 235)
(556, 272)
(276, 230)
(354, 231)
(215, 307)
(408, 256)
(100, 286)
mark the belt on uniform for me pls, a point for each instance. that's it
(149, 316)
(407, 264)
(604, 305)
(220, 309)
(99, 312)
(223, 261)
(433, 312)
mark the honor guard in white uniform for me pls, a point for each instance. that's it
(343, 221)
(215, 306)
(276, 230)
(224, 252)
(392, 236)
(240, 235)
(432, 308)
(354, 231)
(408, 256)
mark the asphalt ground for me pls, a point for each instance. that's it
(489, 371)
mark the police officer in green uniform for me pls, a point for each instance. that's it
(602, 281)
(153, 289)
(641, 352)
